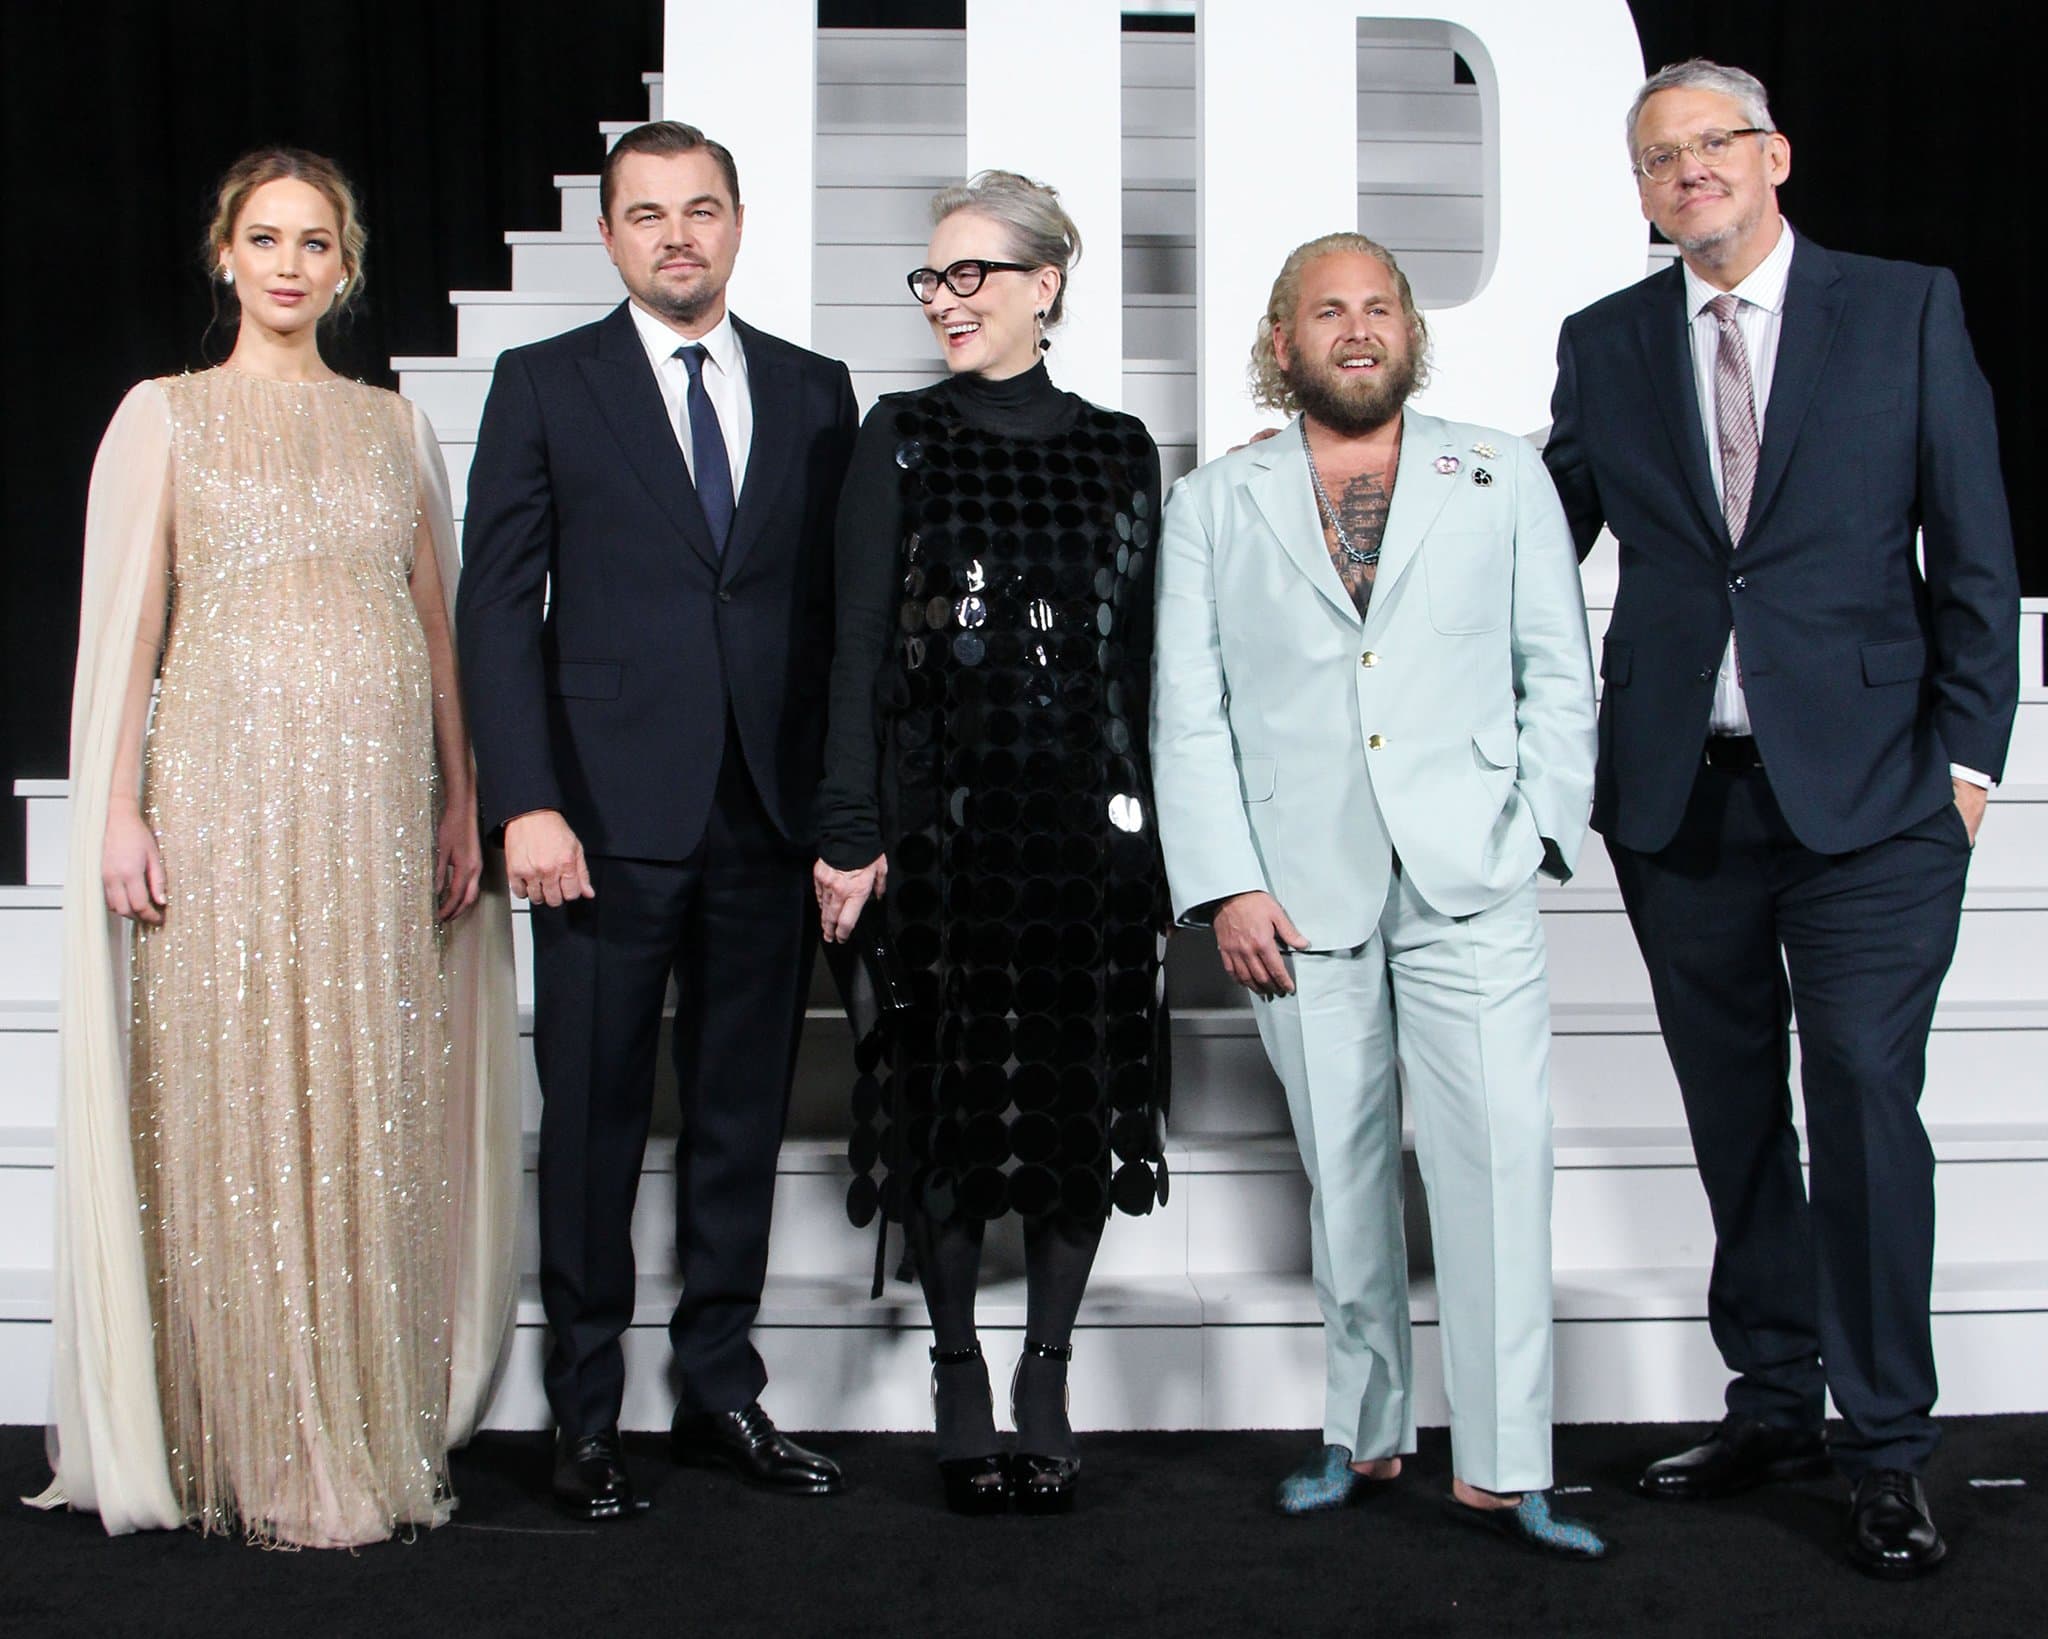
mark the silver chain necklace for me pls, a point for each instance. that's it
(1364, 557)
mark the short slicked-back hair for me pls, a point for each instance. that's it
(663, 137)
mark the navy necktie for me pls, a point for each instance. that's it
(713, 469)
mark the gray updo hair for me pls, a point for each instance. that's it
(1040, 230)
(1699, 74)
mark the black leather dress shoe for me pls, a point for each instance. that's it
(748, 1443)
(591, 1482)
(1739, 1455)
(1891, 1534)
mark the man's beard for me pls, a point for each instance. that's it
(1349, 407)
(681, 306)
(1713, 248)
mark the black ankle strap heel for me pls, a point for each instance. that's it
(978, 1484)
(1043, 1484)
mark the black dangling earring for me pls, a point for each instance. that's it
(1044, 342)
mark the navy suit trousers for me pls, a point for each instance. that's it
(1821, 1282)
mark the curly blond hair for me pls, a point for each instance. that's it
(1270, 388)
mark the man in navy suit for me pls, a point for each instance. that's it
(646, 628)
(1803, 710)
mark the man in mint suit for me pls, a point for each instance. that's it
(1372, 727)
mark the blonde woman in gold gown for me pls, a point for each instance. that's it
(288, 1136)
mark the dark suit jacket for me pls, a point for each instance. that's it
(1865, 677)
(612, 708)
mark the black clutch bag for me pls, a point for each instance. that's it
(869, 977)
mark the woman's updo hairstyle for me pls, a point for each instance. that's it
(262, 165)
(1041, 232)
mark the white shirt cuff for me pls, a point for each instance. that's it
(1969, 776)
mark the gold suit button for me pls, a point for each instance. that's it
(1368, 659)
(1374, 741)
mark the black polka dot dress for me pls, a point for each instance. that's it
(987, 732)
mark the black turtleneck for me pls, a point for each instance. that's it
(867, 578)
(1026, 406)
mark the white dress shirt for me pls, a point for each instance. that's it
(1759, 316)
(725, 383)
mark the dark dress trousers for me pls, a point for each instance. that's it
(667, 699)
(1828, 880)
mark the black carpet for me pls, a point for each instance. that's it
(1173, 1536)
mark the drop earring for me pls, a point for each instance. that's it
(227, 274)
(340, 285)
(1044, 343)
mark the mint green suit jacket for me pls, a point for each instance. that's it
(1296, 747)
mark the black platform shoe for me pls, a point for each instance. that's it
(978, 1484)
(1043, 1484)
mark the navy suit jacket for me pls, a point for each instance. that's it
(612, 706)
(1865, 674)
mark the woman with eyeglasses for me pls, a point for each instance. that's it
(986, 786)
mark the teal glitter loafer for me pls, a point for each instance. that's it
(1531, 1524)
(1327, 1480)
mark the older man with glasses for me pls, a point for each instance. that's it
(1810, 680)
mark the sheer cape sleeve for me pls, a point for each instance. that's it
(107, 1434)
(483, 1075)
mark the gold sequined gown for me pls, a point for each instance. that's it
(289, 1030)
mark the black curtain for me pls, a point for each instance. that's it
(453, 116)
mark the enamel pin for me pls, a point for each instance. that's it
(1481, 477)
(1447, 464)
(1486, 450)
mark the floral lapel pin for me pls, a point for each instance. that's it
(1486, 450)
(1447, 464)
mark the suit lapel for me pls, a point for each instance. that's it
(1813, 310)
(1663, 328)
(1420, 492)
(1281, 492)
(772, 385)
(632, 407)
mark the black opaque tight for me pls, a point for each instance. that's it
(1059, 1252)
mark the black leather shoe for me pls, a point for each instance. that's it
(1891, 1534)
(591, 1482)
(748, 1443)
(1739, 1455)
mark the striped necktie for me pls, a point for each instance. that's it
(1734, 417)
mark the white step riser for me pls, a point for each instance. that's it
(484, 330)
(898, 56)
(875, 211)
(1218, 1377)
(1448, 113)
(942, 104)
(855, 156)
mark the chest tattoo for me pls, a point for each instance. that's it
(1361, 505)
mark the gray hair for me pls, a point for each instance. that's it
(1040, 230)
(1699, 74)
